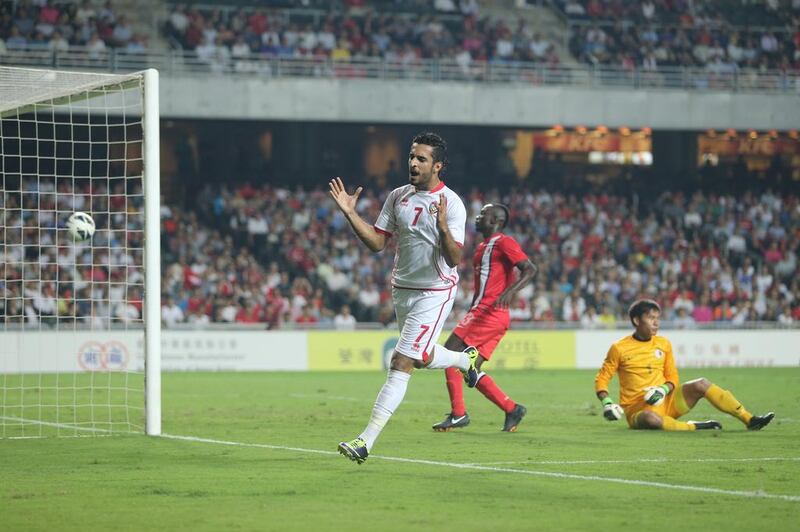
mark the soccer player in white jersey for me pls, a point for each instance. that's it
(428, 220)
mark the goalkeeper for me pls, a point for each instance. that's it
(651, 396)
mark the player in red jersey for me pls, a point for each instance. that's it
(488, 319)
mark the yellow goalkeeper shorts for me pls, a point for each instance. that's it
(674, 406)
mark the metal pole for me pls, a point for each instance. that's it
(152, 255)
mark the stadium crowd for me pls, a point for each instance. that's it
(668, 33)
(457, 33)
(715, 13)
(635, 36)
(58, 26)
(47, 277)
(281, 257)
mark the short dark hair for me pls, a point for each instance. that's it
(641, 307)
(506, 213)
(436, 142)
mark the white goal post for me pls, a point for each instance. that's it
(80, 322)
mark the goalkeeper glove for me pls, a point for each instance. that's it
(611, 410)
(654, 395)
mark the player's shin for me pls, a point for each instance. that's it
(672, 424)
(442, 358)
(492, 392)
(389, 398)
(455, 387)
(724, 401)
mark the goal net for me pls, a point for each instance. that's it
(79, 321)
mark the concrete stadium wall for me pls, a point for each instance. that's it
(472, 104)
(31, 352)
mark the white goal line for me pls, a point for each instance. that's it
(758, 494)
(71, 426)
(93, 431)
(641, 461)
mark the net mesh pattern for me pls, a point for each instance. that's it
(72, 330)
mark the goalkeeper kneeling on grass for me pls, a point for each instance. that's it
(651, 396)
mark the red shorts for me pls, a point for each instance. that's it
(483, 327)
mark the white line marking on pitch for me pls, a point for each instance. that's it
(736, 493)
(103, 432)
(681, 487)
(638, 460)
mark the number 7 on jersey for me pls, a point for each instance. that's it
(416, 216)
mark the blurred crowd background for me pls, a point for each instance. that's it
(721, 36)
(250, 235)
(286, 257)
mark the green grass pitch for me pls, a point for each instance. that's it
(267, 461)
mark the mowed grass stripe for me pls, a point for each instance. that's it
(550, 474)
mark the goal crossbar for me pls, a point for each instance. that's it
(20, 88)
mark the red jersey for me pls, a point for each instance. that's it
(493, 266)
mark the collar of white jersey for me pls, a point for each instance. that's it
(435, 189)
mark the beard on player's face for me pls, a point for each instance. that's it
(418, 177)
(421, 166)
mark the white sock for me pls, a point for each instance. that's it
(444, 358)
(389, 398)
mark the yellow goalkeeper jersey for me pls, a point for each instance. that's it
(639, 365)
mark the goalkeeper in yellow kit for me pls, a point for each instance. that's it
(650, 394)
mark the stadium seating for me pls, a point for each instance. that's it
(404, 31)
(720, 36)
(629, 35)
(265, 254)
(705, 257)
(284, 257)
(57, 26)
(280, 257)
(405, 36)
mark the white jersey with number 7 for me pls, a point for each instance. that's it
(410, 215)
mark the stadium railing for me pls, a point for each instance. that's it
(376, 326)
(187, 63)
(516, 326)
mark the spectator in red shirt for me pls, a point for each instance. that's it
(773, 255)
(277, 307)
(258, 22)
(49, 14)
(307, 317)
(251, 313)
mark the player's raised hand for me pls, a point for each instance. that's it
(441, 213)
(345, 201)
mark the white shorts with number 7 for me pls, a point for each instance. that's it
(420, 316)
